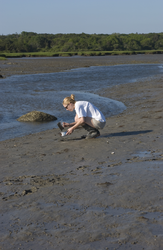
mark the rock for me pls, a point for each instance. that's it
(1, 76)
(36, 116)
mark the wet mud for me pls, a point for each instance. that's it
(104, 193)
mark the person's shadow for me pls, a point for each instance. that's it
(110, 135)
(126, 133)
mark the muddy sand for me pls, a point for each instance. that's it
(75, 194)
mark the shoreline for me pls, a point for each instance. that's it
(104, 193)
(23, 66)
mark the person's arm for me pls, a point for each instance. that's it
(81, 120)
(65, 124)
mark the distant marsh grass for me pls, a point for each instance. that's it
(79, 53)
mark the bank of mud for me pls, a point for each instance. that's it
(21, 66)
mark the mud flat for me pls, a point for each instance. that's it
(21, 66)
(104, 193)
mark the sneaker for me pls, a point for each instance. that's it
(83, 136)
(92, 135)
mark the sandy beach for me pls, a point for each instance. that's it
(68, 193)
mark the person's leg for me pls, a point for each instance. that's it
(87, 120)
(88, 125)
(93, 126)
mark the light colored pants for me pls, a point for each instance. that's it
(98, 124)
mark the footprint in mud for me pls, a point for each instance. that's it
(96, 171)
(19, 193)
(142, 218)
(83, 167)
(115, 164)
(105, 184)
(29, 191)
(11, 196)
(32, 184)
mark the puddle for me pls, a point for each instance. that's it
(147, 154)
(97, 209)
(143, 154)
(155, 165)
(154, 216)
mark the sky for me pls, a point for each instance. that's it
(77, 16)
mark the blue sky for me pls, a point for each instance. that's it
(77, 16)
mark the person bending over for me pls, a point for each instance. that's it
(87, 116)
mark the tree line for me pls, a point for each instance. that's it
(33, 42)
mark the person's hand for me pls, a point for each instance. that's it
(65, 124)
(69, 131)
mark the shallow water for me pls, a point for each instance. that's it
(21, 94)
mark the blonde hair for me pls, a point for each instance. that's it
(69, 99)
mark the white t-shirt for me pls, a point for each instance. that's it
(87, 109)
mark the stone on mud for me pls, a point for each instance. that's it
(36, 116)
